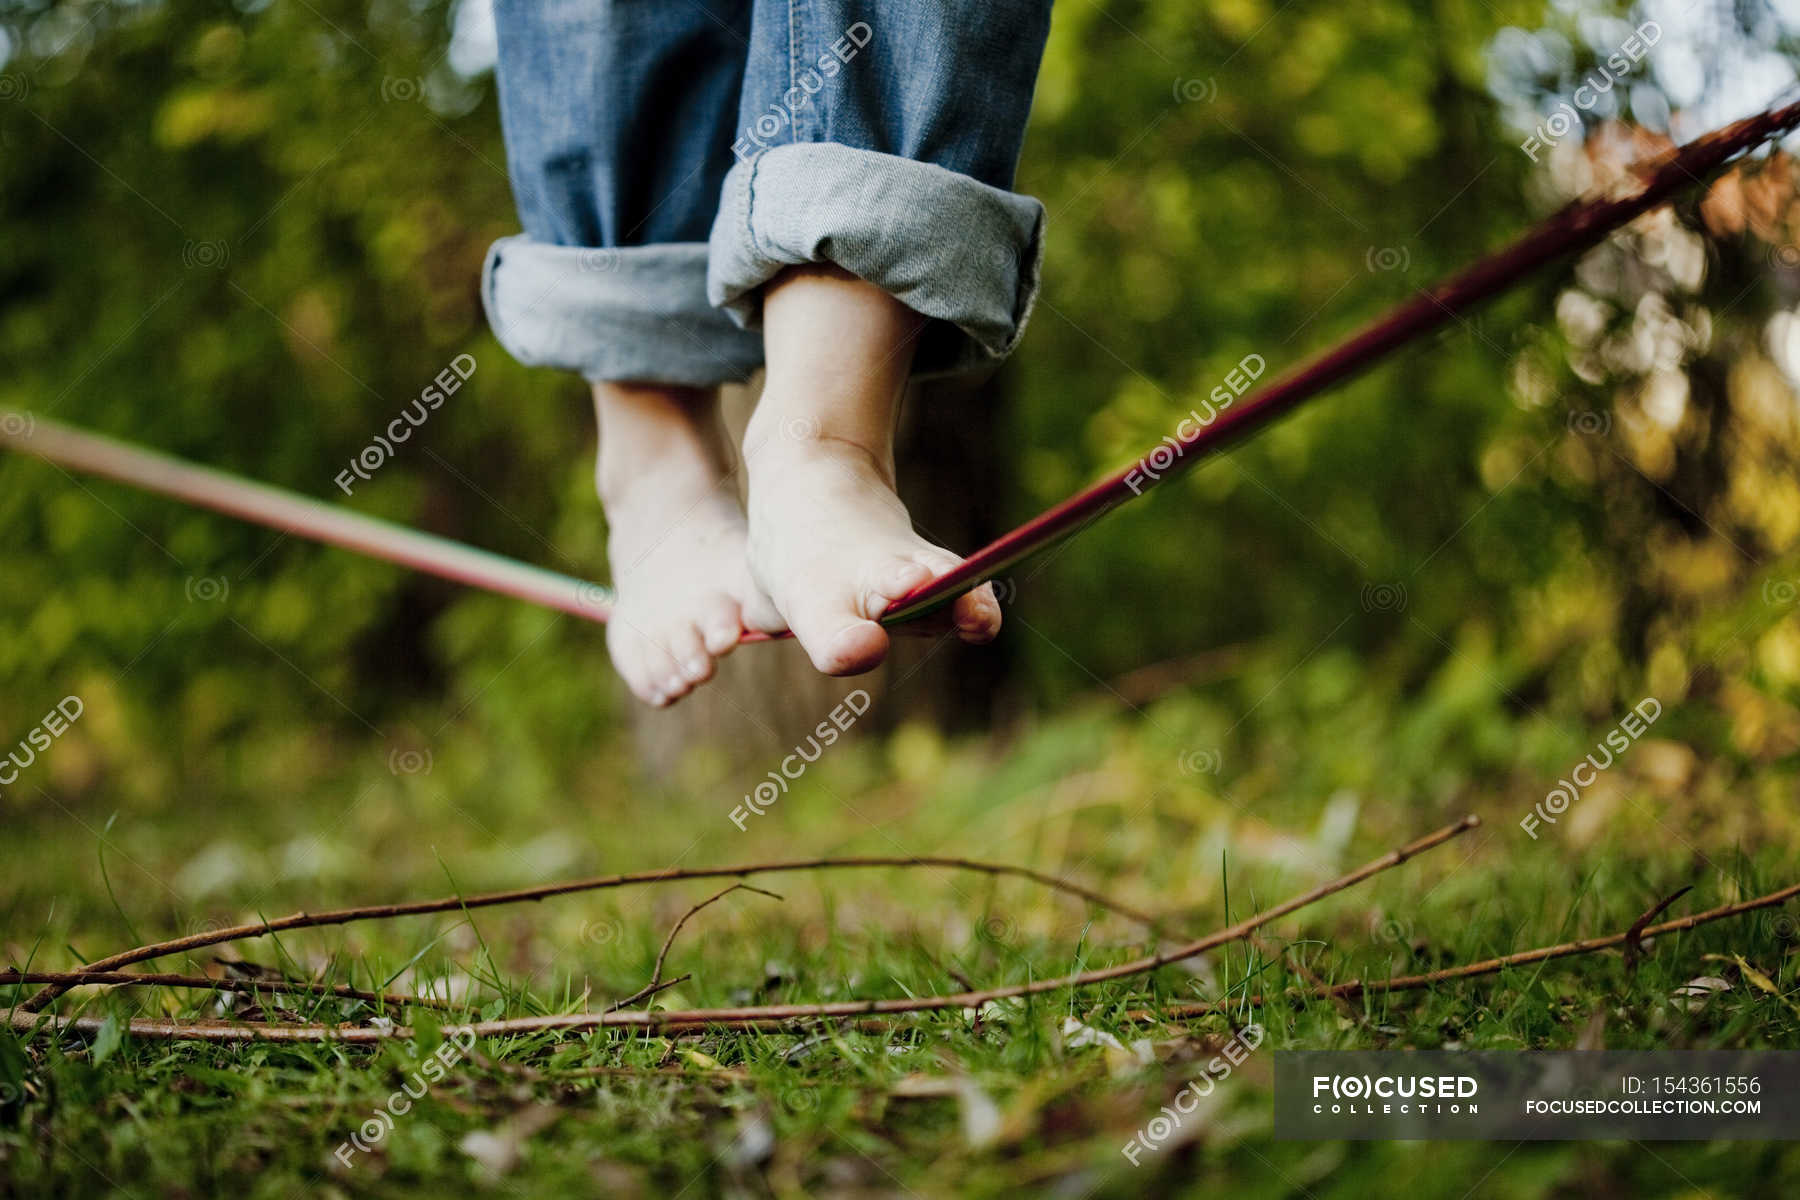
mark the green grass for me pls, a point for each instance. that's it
(937, 1104)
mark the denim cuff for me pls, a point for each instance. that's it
(624, 313)
(946, 245)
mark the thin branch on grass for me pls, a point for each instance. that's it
(344, 916)
(669, 942)
(573, 1074)
(764, 1015)
(1634, 937)
(649, 989)
(1298, 962)
(75, 979)
(1489, 966)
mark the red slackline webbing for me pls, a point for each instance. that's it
(1574, 228)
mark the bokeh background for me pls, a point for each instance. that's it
(250, 233)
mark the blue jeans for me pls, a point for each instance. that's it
(669, 157)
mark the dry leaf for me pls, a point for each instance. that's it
(920, 1086)
(982, 1122)
(1722, 208)
(499, 1149)
(1763, 983)
(1694, 994)
(1076, 1035)
(1757, 979)
(754, 1144)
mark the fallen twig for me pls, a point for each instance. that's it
(1489, 966)
(344, 916)
(648, 990)
(1634, 937)
(75, 979)
(1305, 972)
(755, 1016)
(669, 942)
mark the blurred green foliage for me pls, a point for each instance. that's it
(250, 233)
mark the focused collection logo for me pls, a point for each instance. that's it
(1394, 1094)
(1526, 1095)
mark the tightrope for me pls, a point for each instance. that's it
(1574, 228)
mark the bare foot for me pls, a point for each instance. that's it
(830, 542)
(675, 540)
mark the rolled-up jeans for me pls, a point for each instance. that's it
(669, 157)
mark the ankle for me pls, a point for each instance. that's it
(776, 444)
(839, 352)
(654, 441)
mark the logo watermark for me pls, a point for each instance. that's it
(374, 456)
(207, 255)
(767, 791)
(1160, 1128)
(1188, 90)
(375, 1130)
(207, 589)
(1389, 596)
(1559, 1095)
(1590, 423)
(1632, 726)
(409, 761)
(1201, 762)
(785, 111)
(1168, 452)
(1619, 64)
(1388, 258)
(1339, 1094)
(38, 741)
